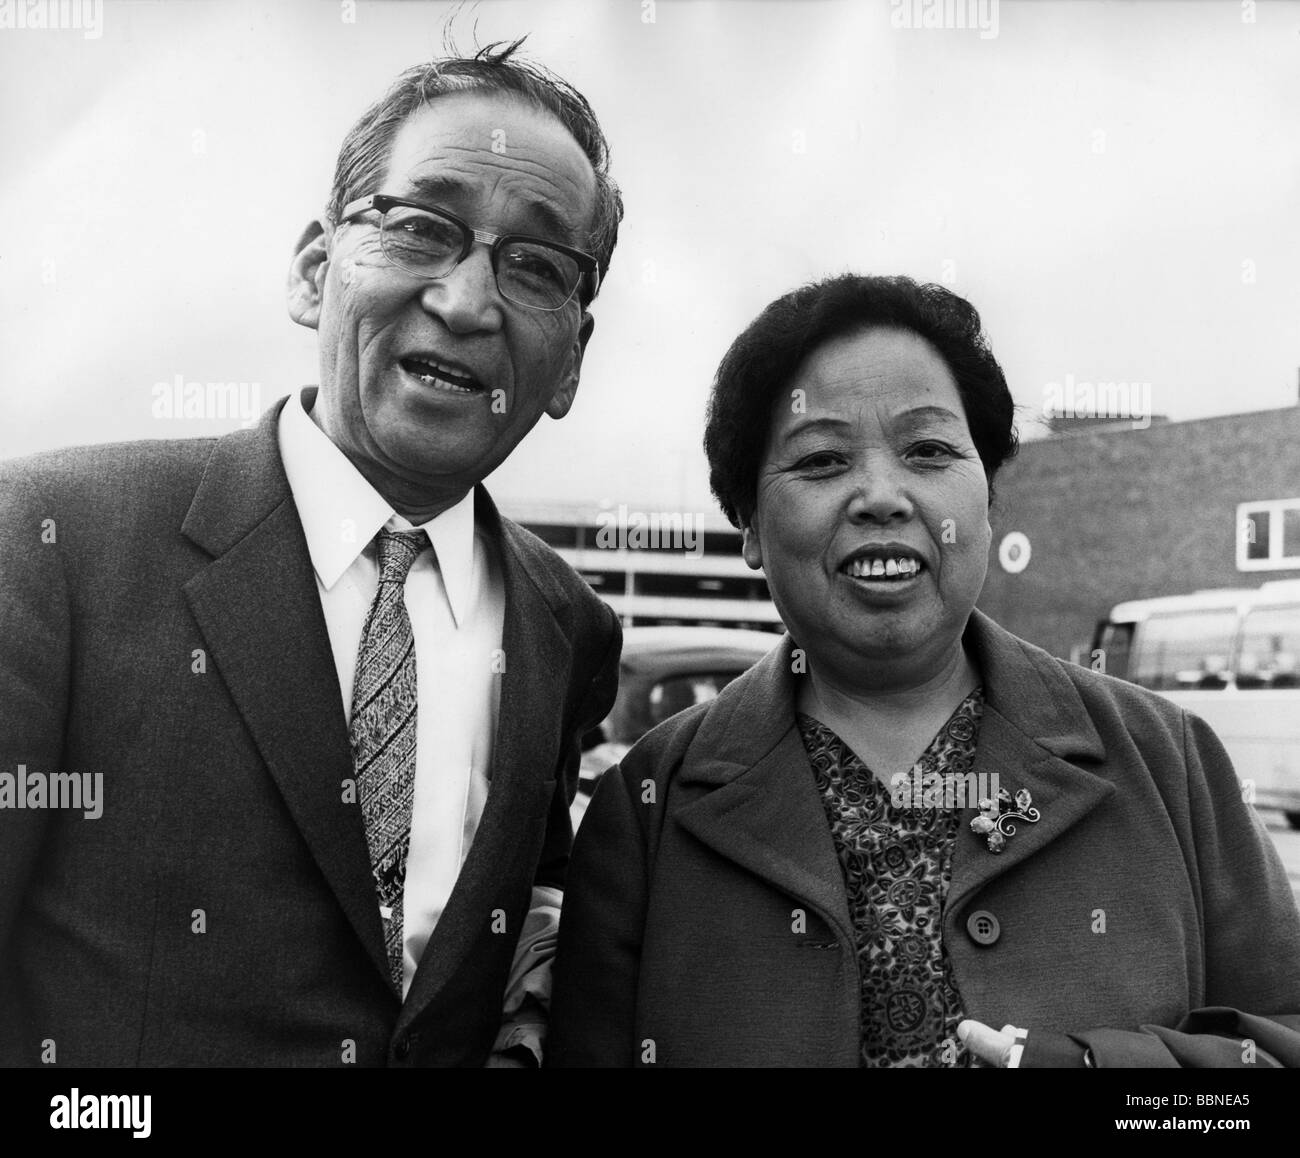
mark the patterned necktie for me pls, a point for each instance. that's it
(382, 731)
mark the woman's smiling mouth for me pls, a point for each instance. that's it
(891, 570)
(884, 564)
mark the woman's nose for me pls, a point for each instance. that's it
(879, 494)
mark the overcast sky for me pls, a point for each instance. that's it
(1115, 186)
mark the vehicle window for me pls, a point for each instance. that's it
(1115, 640)
(1184, 651)
(676, 693)
(1270, 645)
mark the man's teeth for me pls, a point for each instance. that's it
(436, 374)
(443, 384)
(884, 568)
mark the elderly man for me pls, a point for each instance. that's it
(329, 699)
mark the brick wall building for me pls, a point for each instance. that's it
(1119, 513)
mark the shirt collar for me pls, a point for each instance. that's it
(452, 536)
(341, 512)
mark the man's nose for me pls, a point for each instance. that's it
(880, 492)
(467, 299)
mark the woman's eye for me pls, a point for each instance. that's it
(823, 460)
(932, 451)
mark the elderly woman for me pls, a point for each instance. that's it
(907, 837)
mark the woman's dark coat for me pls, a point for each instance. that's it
(705, 920)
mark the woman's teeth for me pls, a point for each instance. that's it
(884, 568)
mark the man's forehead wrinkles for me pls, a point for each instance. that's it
(541, 192)
(551, 210)
(466, 164)
(511, 156)
(506, 166)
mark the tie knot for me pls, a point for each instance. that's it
(397, 551)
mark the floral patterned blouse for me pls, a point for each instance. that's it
(897, 865)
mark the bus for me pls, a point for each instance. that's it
(1232, 657)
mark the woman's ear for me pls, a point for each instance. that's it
(306, 286)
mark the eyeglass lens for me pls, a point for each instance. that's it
(528, 273)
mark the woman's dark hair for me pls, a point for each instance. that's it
(495, 68)
(767, 355)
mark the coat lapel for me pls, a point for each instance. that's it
(1036, 734)
(260, 614)
(533, 686)
(761, 809)
(1062, 792)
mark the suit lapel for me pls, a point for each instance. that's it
(533, 685)
(258, 609)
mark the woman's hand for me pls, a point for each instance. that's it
(1001, 1048)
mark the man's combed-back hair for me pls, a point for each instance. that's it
(495, 68)
(765, 358)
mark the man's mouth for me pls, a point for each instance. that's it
(883, 565)
(448, 376)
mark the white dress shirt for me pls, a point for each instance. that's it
(455, 598)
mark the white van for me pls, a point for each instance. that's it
(1232, 657)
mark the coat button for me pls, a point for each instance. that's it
(983, 927)
(402, 1048)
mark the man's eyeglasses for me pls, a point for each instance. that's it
(430, 242)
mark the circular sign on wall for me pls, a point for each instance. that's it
(1013, 552)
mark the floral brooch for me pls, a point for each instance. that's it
(996, 815)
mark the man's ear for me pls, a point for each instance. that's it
(751, 549)
(562, 399)
(306, 285)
